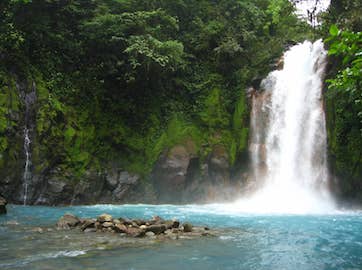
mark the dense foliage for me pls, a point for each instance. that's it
(344, 94)
(121, 80)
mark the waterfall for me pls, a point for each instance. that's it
(288, 137)
(27, 172)
(29, 100)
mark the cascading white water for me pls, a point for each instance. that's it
(288, 140)
(29, 100)
(27, 173)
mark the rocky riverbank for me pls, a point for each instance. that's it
(3, 203)
(156, 227)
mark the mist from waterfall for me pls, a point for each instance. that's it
(288, 138)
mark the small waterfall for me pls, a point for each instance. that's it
(27, 172)
(29, 100)
(288, 137)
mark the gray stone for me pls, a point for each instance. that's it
(150, 234)
(157, 229)
(68, 221)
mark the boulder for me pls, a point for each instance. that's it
(3, 204)
(105, 218)
(187, 227)
(120, 228)
(150, 234)
(156, 229)
(68, 221)
(87, 224)
(107, 224)
(135, 232)
(170, 224)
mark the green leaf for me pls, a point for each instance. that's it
(333, 30)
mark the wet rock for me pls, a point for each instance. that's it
(156, 220)
(172, 224)
(107, 224)
(139, 222)
(67, 221)
(120, 228)
(157, 229)
(90, 230)
(125, 221)
(88, 223)
(150, 234)
(135, 232)
(3, 204)
(116, 221)
(187, 227)
(169, 174)
(105, 218)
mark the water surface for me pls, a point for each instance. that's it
(247, 241)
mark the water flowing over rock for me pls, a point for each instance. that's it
(29, 100)
(288, 137)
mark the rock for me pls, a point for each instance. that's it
(116, 221)
(120, 228)
(169, 174)
(168, 231)
(139, 222)
(125, 221)
(123, 185)
(88, 223)
(157, 229)
(172, 224)
(105, 218)
(156, 220)
(3, 204)
(187, 227)
(90, 230)
(107, 224)
(68, 221)
(150, 234)
(135, 232)
(98, 226)
(143, 227)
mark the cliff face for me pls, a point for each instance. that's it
(30, 173)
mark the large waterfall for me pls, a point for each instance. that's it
(288, 137)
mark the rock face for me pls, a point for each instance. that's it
(169, 175)
(3, 203)
(155, 227)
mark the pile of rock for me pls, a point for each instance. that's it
(155, 227)
(3, 203)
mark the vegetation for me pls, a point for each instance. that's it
(121, 80)
(344, 94)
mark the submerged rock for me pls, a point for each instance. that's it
(3, 204)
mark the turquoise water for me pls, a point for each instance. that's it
(246, 241)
